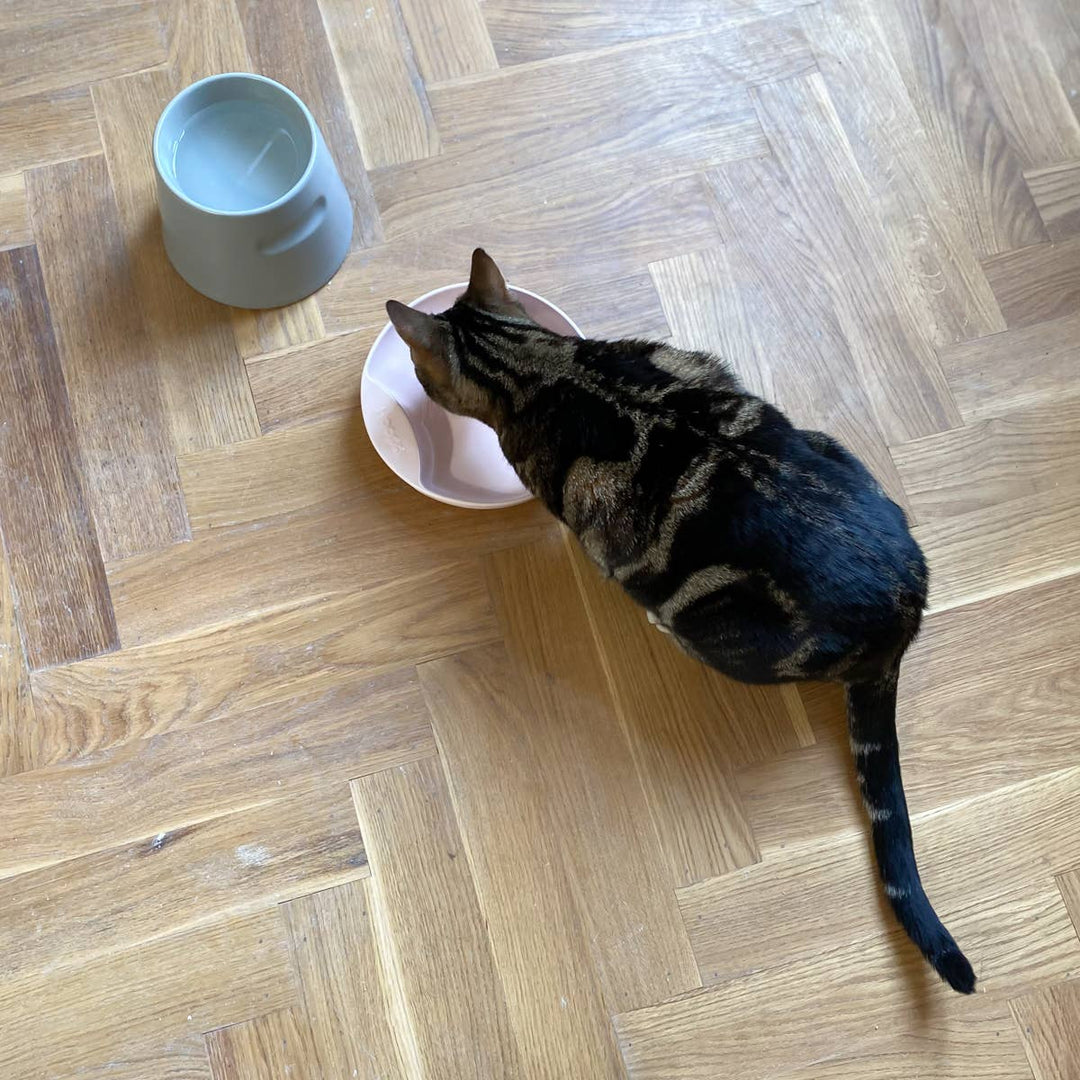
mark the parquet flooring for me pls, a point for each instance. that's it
(304, 776)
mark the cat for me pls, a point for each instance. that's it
(766, 552)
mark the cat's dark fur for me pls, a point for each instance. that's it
(767, 552)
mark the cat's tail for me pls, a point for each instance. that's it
(872, 728)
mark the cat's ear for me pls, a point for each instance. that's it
(417, 329)
(486, 285)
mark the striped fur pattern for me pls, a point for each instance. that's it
(766, 552)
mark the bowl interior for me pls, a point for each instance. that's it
(234, 143)
(455, 459)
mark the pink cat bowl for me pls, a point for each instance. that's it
(454, 459)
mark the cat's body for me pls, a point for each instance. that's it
(767, 552)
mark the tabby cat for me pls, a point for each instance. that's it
(766, 552)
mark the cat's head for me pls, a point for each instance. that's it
(441, 344)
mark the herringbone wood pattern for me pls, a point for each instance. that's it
(303, 775)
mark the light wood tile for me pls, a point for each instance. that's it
(287, 41)
(126, 452)
(16, 702)
(1023, 368)
(226, 670)
(55, 567)
(53, 54)
(343, 984)
(111, 1016)
(117, 899)
(991, 462)
(596, 796)
(1036, 284)
(1056, 191)
(633, 136)
(14, 218)
(205, 390)
(1049, 1023)
(272, 1045)
(386, 96)
(977, 167)
(322, 733)
(276, 329)
(46, 128)
(524, 30)
(518, 857)
(205, 37)
(428, 917)
(895, 157)
(449, 38)
(310, 381)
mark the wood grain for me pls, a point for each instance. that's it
(596, 795)
(1049, 1020)
(977, 167)
(343, 983)
(628, 136)
(526, 30)
(518, 858)
(320, 734)
(271, 331)
(113, 1016)
(16, 702)
(1056, 191)
(50, 127)
(127, 456)
(894, 155)
(227, 670)
(55, 569)
(287, 41)
(421, 881)
(386, 96)
(205, 37)
(274, 1044)
(53, 54)
(118, 899)
(15, 228)
(449, 38)
(1036, 284)
(205, 392)
(308, 382)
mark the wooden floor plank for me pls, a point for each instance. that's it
(991, 462)
(15, 228)
(206, 395)
(879, 310)
(320, 734)
(50, 127)
(16, 702)
(118, 899)
(687, 728)
(1036, 284)
(288, 42)
(110, 1017)
(310, 381)
(108, 358)
(1056, 191)
(525, 30)
(896, 158)
(226, 670)
(449, 38)
(1008, 43)
(979, 170)
(1023, 368)
(274, 1044)
(538, 936)
(343, 983)
(1049, 1023)
(386, 96)
(260, 332)
(53, 54)
(638, 942)
(429, 919)
(205, 37)
(55, 567)
(619, 135)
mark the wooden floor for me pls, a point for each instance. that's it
(305, 776)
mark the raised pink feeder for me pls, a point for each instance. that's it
(454, 459)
